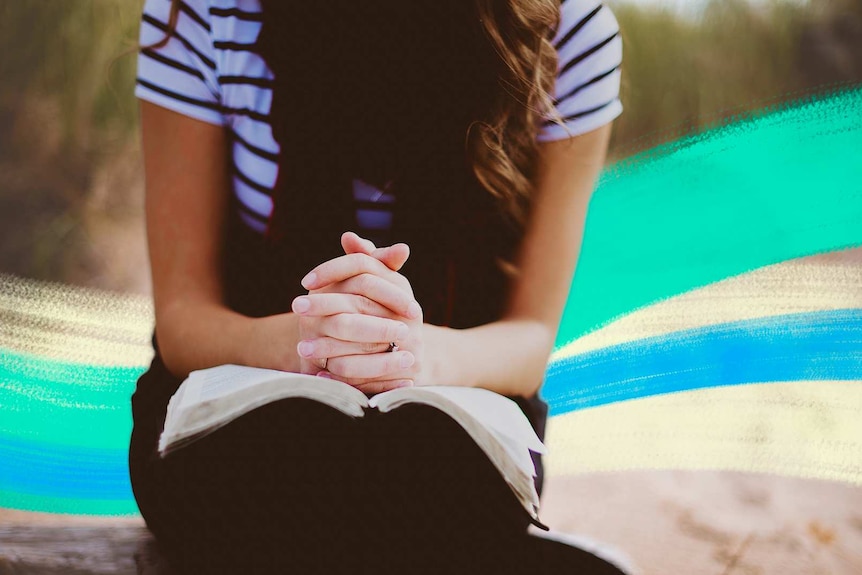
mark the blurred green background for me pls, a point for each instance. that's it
(71, 183)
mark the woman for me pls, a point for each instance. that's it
(270, 128)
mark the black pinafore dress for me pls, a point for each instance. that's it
(298, 486)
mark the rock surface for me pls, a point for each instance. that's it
(666, 522)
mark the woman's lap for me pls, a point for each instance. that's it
(299, 485)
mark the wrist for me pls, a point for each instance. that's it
(198, 335)
(270, 342)
(474, 357)
(441, 344)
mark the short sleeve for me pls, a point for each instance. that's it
(590, 52)
(182, 74)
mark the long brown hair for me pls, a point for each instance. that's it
(449, 96)
(503, 149)
(173, 17)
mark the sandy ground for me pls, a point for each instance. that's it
(672, 522)
(714, 523)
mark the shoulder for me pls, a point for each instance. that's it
(580, 19)
(187, 21)
(589, 52)
(588, 29)
(204, 14)
(178, 67)
(235, 12)
(189, 12)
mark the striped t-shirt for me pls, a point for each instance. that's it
(209, 71)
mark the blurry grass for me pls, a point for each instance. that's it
(684, 75)
(68, 119)
(678, 73)
(67, 111)
(67, 51)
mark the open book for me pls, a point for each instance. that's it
(211, 398)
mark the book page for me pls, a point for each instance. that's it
(216, 382)
(223, 380)
(492, 410)
(213, 397)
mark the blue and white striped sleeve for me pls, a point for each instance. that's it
(590, 52)
(181, 75)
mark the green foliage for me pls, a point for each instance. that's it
(67, 113)
(70, 52)
(681, 75)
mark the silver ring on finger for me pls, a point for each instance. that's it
(325, 361)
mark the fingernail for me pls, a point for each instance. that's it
(324, 374)
(407, 360)
(405, 383)
(301, 305)
(414, 310)
(305, 348)
(402, 332)
(309, 280)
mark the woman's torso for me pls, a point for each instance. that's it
(222, 79)
(211, 71)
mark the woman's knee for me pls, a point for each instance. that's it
(444, 476)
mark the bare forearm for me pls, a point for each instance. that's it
(510, 356)
(200, 335)
(506, 356)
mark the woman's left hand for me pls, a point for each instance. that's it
(356, 273)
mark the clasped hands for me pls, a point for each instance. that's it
(357, 304)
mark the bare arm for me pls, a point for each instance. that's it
(187, 186)
(510, 355)
(549, 252)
